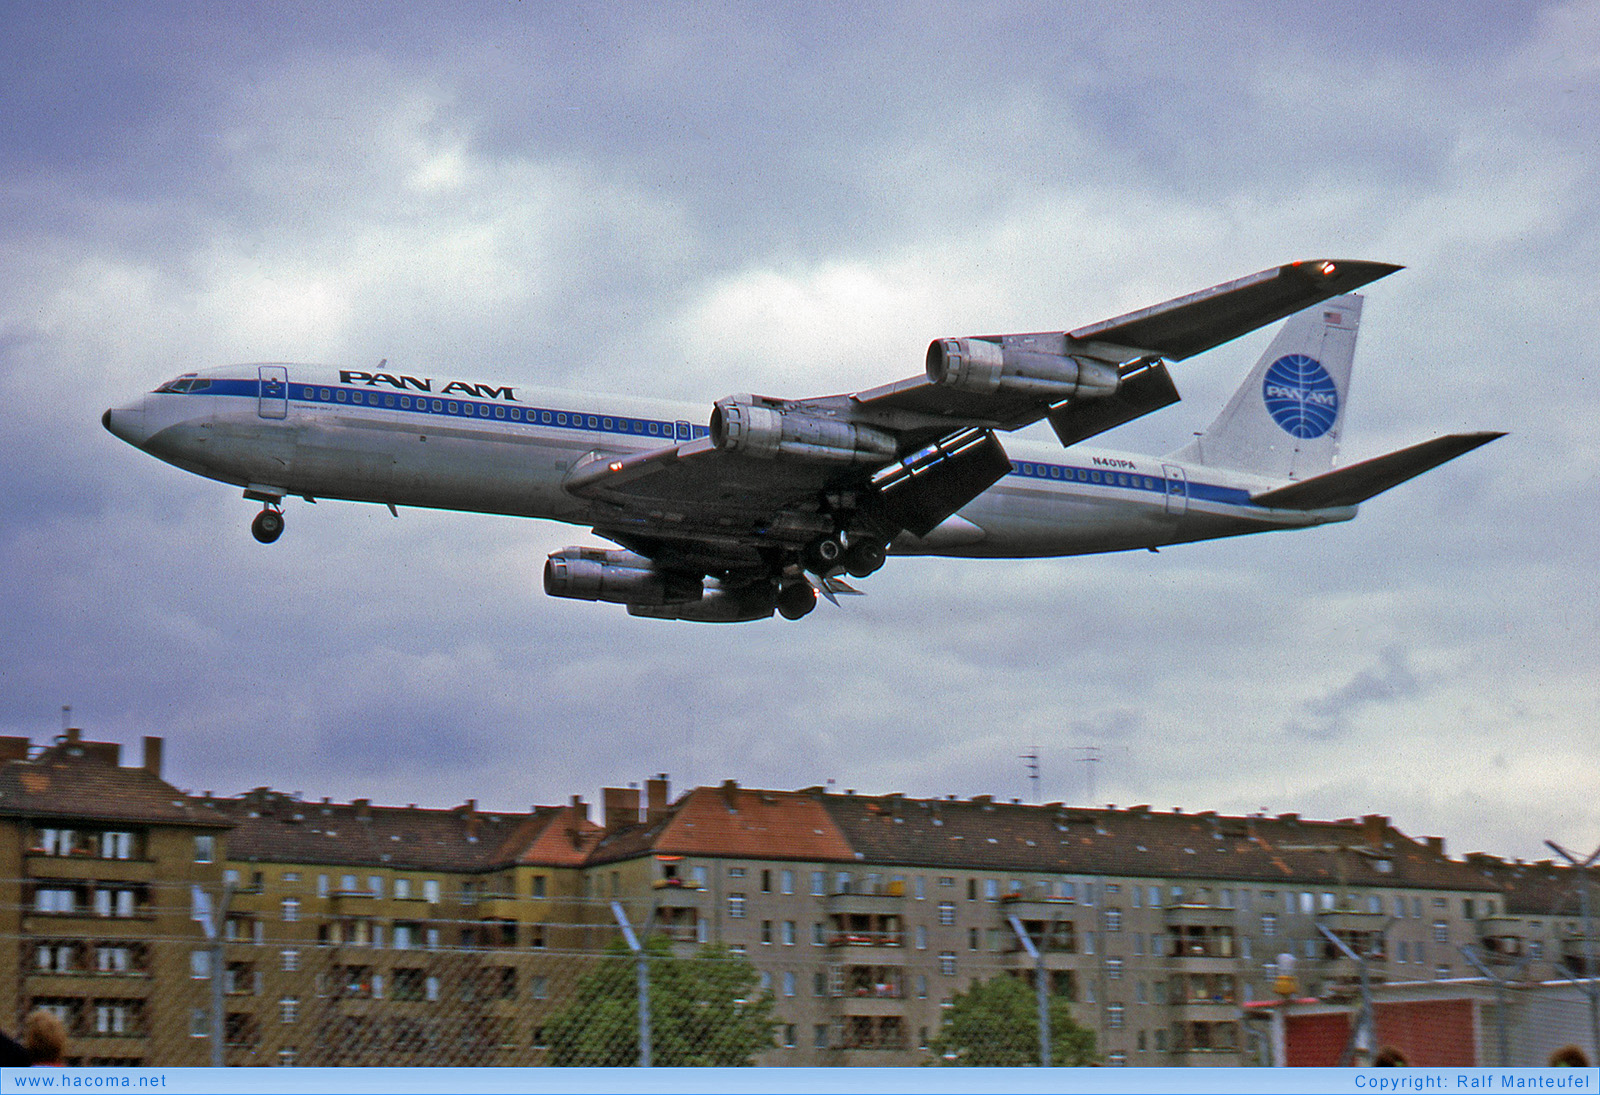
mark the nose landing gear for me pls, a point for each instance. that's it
(268, 525)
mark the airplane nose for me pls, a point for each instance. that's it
(126, 423)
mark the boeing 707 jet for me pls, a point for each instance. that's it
(772, 501)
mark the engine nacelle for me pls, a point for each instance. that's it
(742, 423)
(721, 605)
(983, 367)
(620, 577)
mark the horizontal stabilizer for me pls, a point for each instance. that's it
(1355, 484)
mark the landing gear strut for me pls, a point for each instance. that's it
(268, 525)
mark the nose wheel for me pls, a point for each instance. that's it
(268, 525)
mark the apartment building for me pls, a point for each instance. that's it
(97, 861)
(867, 914)
(356, 933)
(372, 935)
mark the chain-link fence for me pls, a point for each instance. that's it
(351, 978)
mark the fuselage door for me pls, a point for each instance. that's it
(1177, 490)
(274, 402)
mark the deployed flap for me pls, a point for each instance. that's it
(1139, 394)
(1189, 325)
(918, 493)
(1355, 484)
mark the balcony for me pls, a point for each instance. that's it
(1199, 916)
(869, 900)
(860, 938)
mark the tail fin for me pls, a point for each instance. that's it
(1286, 419)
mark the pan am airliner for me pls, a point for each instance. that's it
(775, 500)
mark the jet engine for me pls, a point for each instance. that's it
(721, 605)
(982, 367)
(620, 577)
(742, 423)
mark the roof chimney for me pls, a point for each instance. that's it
(1372, 829)
(1435, 844)
(152, 756)
(362, 806)
(730, 793)
(579, 809)
(620, 806)
(655, 792)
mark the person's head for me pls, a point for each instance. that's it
(44, 1036)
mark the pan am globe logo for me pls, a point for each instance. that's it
(1300, 396)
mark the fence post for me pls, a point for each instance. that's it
(1041, 990)
(642, 974)
(213, 919)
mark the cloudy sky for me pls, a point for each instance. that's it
(694, 200)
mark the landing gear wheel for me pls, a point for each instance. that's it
(863, 558)
(795, 599)
(822, 557)
(267, 526)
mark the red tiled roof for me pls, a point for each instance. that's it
(738, 822)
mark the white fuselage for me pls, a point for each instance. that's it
(283, 430)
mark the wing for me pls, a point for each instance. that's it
(776, 475)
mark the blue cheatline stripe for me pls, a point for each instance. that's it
(560, 419)
(424, 403)
(1126, 480)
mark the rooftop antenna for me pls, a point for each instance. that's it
(1033, 770)
(1091, 757)
(66, 717)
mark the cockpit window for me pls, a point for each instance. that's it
(186, 383)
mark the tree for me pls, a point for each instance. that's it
(704, 1010)
(996, 1023)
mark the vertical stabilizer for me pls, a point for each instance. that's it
(1286, 419)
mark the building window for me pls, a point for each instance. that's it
(947, 913)
(819, 1036)
(288, 1009)
(786, 885)
(291, 960)
(789, 932)
(1441, 932)
(819, 883)
(1113, 920)
(736, 906)
(430, 890)
(1114, 969)
(788, 983)
(1269, 925)
(766, 931)
(291, 909)
(922, 937)
(1114, 1015)
(200, 965)
(947, 963)
(788, 1035)
(766, 880)
(205, 848)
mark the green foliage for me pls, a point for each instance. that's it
(704, 1011)
(996, 1023)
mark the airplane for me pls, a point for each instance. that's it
(774, 501)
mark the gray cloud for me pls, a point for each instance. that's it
(691, 201)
